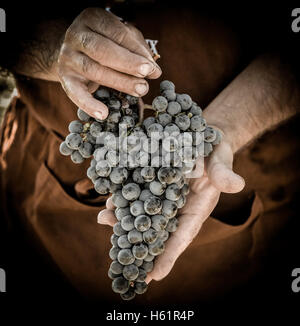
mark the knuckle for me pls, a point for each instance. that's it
(103, 22)
(120, 33)
(71, 33)
(86, 12)
(93, 14)
(85, 64)
(135, 35)
(102, 52)
(98, 74)
(85, 40)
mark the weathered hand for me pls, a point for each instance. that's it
(98, 49)
(203, 197)
(204, 194)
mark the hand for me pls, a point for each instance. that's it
(204, 194)
(98, 49)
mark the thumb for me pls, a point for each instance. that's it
(220, 172)
(107, 217)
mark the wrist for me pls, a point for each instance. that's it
(259, 98)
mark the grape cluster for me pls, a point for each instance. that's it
(145, 167)
(86, 134)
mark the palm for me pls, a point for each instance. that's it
(202, 199)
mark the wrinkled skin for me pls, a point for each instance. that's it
(98, 49)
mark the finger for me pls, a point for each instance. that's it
(224, 179)
(198, 170)
(140, 36)
(219, 169)
(107, 24)
(135, 45)
(107, 217)
(92, 87)
(112, 55)
(109, 204)
(188, 228)
(97, 73)
(77, 90)
(175, 245)
(148, 279)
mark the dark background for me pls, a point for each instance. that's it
(33, 288)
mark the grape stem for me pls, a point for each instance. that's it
(142, 108)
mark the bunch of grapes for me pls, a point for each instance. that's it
(145, 167)
(82, 141)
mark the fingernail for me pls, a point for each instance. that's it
(99, 115)
(141, 89)
(146, 68)
(101, 218)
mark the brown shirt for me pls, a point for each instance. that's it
(54, 203)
